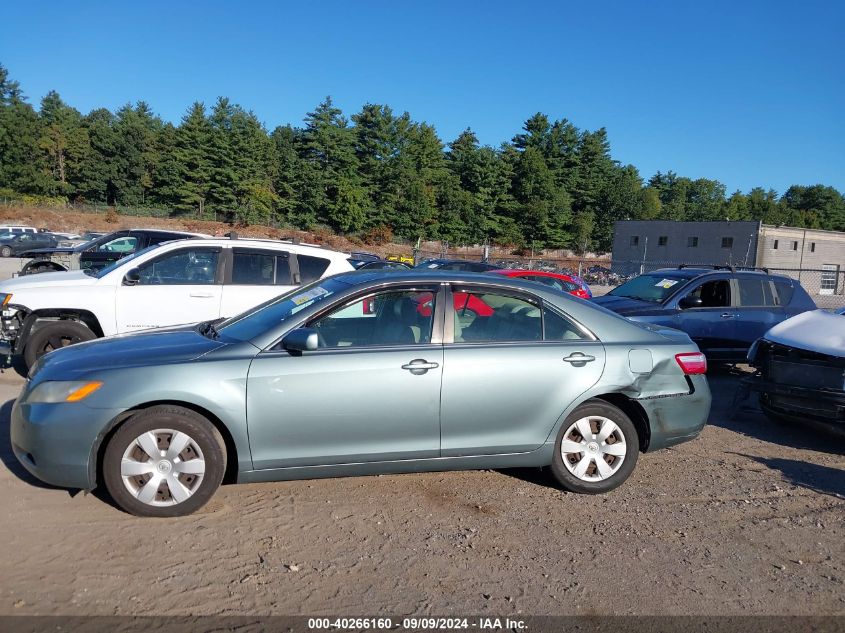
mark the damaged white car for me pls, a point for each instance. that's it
(800, 367)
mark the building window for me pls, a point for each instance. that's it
(727, 242)
(635, 240)
(662, 240)
(795, 245)
(692, 242)
(775, 247)
(830, 276)
(812, 247)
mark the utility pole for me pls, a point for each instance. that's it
(645, 250)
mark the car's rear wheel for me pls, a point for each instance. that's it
(596, 449)
(53, 336)
(165, 461)
(6, 251)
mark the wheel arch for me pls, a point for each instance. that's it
(41, 263)
(95, 462)
(30, 323)
(633, 410)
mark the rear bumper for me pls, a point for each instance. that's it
(678, 418)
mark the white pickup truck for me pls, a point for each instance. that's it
(171, 283)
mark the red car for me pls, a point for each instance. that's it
(559, 281)
(468, 303)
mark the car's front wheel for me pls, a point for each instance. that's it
(596, 449)
(6, 251)
(55, 335)
(164, 461)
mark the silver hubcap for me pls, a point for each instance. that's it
(162, 467)
(593, 448)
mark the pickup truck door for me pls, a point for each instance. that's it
(180, 286)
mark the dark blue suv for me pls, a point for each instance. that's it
(723, 309)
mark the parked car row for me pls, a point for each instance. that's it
(286, 360)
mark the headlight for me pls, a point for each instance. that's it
(53, 391)
(4, 300)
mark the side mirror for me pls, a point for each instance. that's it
(302, 339)
(690, 302)
(132, 277)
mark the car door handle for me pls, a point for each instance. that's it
(578, 357)
(419, 366)
(728, 315)
(202, 295)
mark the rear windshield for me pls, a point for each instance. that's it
(652, 287)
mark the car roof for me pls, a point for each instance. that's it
(435, 275)
(305, 249)
(691, 272)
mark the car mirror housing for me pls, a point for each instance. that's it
(690, 302)
(302, 339)
(132, 277)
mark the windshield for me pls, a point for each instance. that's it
(654, 288)
(255, 321)
(99, 274)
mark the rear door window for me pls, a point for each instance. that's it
(752, 292)
(486, 317)
(260, 268)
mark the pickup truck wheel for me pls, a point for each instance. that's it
(164, 461)
(596, 449)
(54, 336)
(6, 251)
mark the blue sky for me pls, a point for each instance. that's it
(750, 93)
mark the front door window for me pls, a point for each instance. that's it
(403, 317)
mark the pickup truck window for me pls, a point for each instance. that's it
(187, 266)
(260, 268)
(311, 268)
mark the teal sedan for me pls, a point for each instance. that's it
(347, 376)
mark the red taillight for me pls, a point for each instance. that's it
(692, 363)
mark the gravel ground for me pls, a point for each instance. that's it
(747, 519)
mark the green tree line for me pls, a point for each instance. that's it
(552, 185)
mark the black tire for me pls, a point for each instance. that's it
(52, 336)
(6, 251)
(625, 431)
(203, 434)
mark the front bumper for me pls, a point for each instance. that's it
(678, 418)
(55, 442)
(798, 403)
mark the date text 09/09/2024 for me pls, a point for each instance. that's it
(415, 624)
